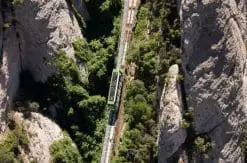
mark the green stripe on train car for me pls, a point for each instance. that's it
(117, 70)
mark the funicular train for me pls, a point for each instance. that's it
(114, 94)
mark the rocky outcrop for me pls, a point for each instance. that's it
(9, 60)
(214, 64)
(30, 35)
(171, 136)
(42, 132)
(45, 27)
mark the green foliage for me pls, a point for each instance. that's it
(16, 3)
(202, 146)
(80, 104)
(143, 50)
(79, 112)
(154, 48)
(188, 117)
(33, 106)
(185, 124)
(138, 143)
(180, 77)
(11, 143)
(99, 55)
(63, 151)
(244, 140)
(67, 67)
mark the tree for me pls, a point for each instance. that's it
(63, 151)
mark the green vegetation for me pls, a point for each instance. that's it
(154, 48)
(138, 143)
(202, 146)
(12, 142)
(98, 54)
(78, 101)
(185, 124)
(244, 140)
(16, 3)
(103, 15)
(187, 118)
(63, 151)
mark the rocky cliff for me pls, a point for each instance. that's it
(214, 67)
(41, 132)
(171, 136)
(31, 33)
(214, 64)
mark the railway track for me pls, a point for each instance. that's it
(115, 89)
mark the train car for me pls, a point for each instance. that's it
(115, 89)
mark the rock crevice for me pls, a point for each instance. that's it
(214, 65)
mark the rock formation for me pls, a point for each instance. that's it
(45, 27)
(172, 136)
(30, 35)
(214, 63)
(42, 132)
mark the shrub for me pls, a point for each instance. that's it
(185, 124)
(16, 3)
(202, 146)
(63, 151)
(244, 140)
(11, 143)
(33, 106)
(180, 77)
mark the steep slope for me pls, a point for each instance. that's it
(42, 132)
(214, 64)
(31, 34)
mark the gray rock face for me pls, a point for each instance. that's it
(42, 132)
(45, 27)
(171, 136)
(33, 32)
(9, 62)
(214, 64)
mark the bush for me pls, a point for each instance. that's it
(63, 151)
(244, 140)
(33, 106)
(185, 124)
(16, 3)
(11, 143)
(202, 146)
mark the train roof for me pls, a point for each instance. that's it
(117, 70)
